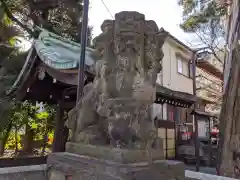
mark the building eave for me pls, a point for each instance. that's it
(203, 113)
(176, 98)
(177, 40)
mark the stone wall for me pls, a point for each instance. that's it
(35, 172)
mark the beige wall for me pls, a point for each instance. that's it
(171, 78)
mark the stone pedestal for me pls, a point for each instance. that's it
(65, 166)
(115, 154)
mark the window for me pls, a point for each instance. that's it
(170, 110)
(159, 78)
(164, 111)
(198, 106)
(157, 111)
(183, 66)
(180, 66)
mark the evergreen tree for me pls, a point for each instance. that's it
(204, 18)
(62, 17)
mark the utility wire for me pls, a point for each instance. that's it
(107, 9)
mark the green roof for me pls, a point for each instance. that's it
(60, 53)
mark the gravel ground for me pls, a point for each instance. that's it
(11, 153)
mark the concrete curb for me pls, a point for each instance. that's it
(198, 175)
(10, 170)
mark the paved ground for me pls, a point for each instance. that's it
(208, 170)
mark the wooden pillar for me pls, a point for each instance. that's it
(61, 131)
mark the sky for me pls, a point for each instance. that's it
(166, 13)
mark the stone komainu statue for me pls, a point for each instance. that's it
(115, 107)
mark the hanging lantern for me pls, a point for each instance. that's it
(40, 107)
(41, 73)
(214, 131)
(186, 135)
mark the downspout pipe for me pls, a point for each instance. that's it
(194, 59)
(83, 50)
(82, 58)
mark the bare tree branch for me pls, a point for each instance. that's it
(201, 37)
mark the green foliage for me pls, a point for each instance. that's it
(50, 137)
(10, 66)
(207, 8)
(204, 18)
(11, 143)
(59, 17)
(8, 32)
(26, 113)
(12, 41)
(42, 115)
(197, 14)
(22, 114)
(6, 20)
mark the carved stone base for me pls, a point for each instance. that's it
(64, 166)
(115, 154)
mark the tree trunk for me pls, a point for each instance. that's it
(28, 140)
(45, 136)
(230, 123)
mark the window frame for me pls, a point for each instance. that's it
(178, 64)
(186, 66)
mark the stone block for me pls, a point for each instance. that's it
(56, 175)
(115, 154)
(87, 168)
(36, 172)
